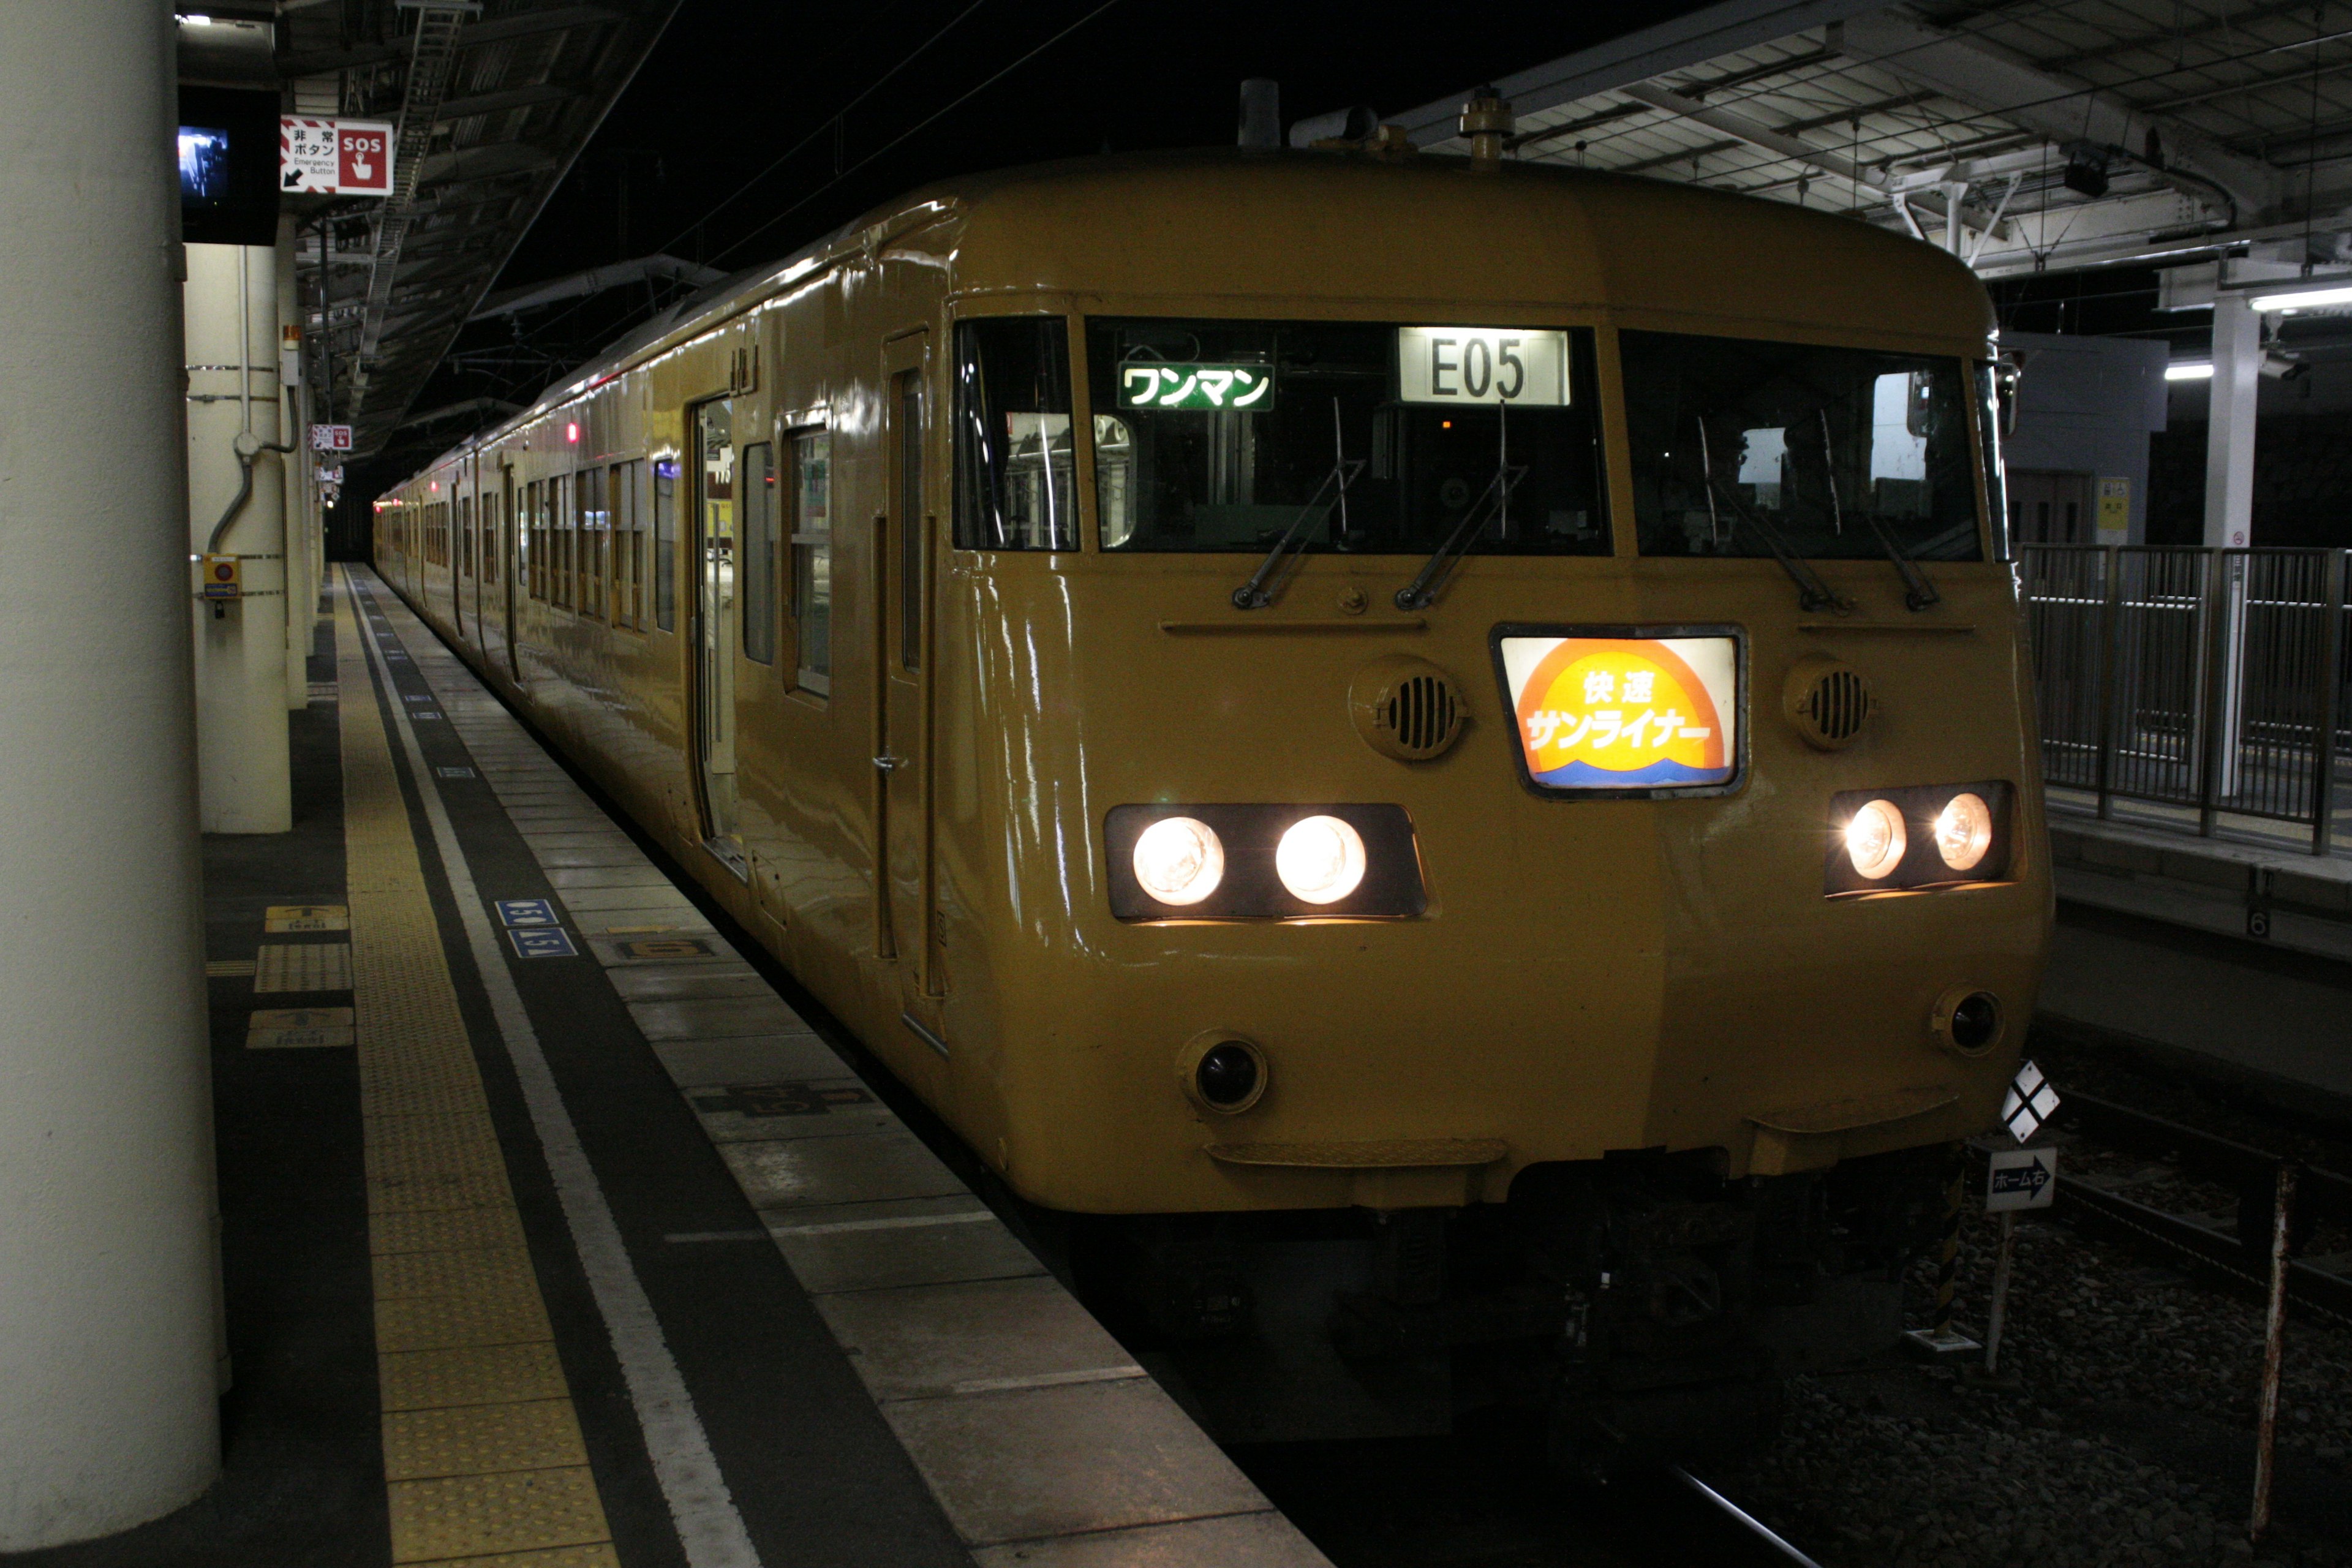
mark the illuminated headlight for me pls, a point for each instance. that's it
(1179, 861)
(1918, 836)
(1964, 831)
(1875, 839)
(1300, 860)
(1320, 860)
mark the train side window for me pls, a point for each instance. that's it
(910, 521)
(466, 536)
(665, 543)
(757, 591)
(1015, 485)
(596, 528)
(812, 498)
(493, 538)
(526, 535)
(628, 546)
(563, 522)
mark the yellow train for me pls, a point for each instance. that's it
(1437, 755)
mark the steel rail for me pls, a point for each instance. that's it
(1755, 1527)
(2330, 1295)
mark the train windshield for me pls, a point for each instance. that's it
(1365, 437)
(1749, 449)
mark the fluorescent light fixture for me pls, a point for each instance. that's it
(2185, 371)
(2303, 299)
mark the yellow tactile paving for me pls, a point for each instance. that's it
(510, 1510)
(452, 1322)
(444, 1230)
(441, 1271)
(483, 1375)
(424, 1445)
(302, 966)
(483, 1459)
(598, 1556)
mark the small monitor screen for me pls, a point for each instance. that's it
(203, 165)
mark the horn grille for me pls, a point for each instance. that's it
(1407, 709)
(1829, 703)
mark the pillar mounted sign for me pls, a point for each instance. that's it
(334, 157)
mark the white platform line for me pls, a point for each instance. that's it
(708, 1526)
(895, 1222)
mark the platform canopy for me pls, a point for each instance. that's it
(492, 101)
(2043, 134)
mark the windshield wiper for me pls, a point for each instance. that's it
(1813, 593)
(1418, 594)
(1917, 592)
(1258, 592)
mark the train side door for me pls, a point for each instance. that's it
(713, 666)
(904, 544)
(498, 615)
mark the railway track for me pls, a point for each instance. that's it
(2233, 1247)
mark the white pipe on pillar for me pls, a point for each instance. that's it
(107, 1409)
(243, 763)
(301, 595)
(2229, 501)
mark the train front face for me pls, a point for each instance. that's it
(1557, 747)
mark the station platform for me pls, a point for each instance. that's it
(558, 1234)
(2228, 957)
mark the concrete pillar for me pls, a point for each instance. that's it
(2229, 432)
(106, 1410)
(244, 777)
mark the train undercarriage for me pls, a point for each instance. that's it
(1645, 1305)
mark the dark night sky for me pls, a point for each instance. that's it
(734, 83)
(687, 162)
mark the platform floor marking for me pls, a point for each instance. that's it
(708, 1526)
(284, 918)
(302, 966)
(460, 1326)
(229, 968)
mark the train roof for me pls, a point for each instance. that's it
(1427, 233)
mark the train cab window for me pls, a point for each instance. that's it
(1015, 470)
(1752, 448)
(812, 533)
(1378, 437)
(757, 591)
(665, 543)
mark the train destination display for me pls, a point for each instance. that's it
(1602, 713)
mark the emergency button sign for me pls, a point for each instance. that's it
(334, 157)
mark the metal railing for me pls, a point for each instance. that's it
(2211, 679)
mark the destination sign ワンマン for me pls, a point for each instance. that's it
(1244, 388)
